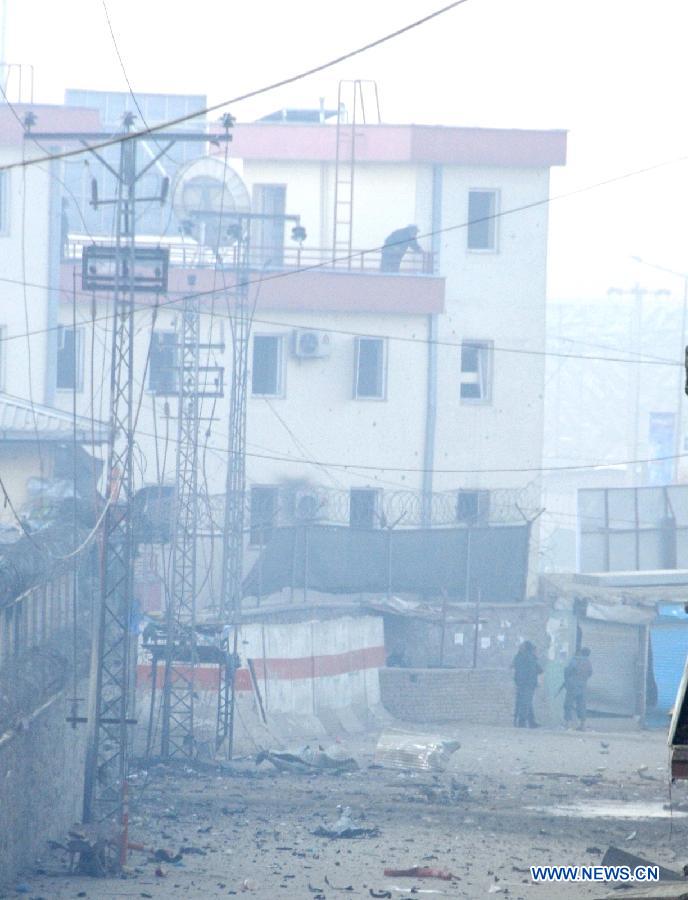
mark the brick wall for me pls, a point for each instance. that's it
(501, 629)
(41, 784)
(480, 696)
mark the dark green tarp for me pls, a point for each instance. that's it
(336, 559)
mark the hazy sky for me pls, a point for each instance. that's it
(611, 72)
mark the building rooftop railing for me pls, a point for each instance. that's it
(189, 254)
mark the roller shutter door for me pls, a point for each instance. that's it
(669, 652)
(615, 650)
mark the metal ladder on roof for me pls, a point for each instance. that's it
(353, 96)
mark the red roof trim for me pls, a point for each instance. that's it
(48, 118)
(319, 291)
(403, 143)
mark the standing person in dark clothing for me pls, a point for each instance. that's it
(395, 246)
(526, 671)
(576, 676)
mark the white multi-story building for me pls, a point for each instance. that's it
(421, 383)
(35, 436)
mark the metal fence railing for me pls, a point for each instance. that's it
(36, 616)
(190, 253)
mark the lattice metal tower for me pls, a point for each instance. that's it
(235, 489)
(123, 271)
(181, 653)
(110, 702)
(241, 310)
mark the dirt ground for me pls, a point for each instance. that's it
(250, 831)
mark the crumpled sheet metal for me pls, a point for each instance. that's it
(424, 752)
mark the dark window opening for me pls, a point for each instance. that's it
(362, 507)
(370, 368)
(163, 363)
(473, 507)
(265, 375)
(68, 359)
(481, 222)
(263, 513)
(475, 370)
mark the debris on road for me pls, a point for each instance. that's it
(420, 872)
(307, 761)
(617, 857)
(345, 827)
(349, 888)
(446, 794)
(403, 750)
(96, 847)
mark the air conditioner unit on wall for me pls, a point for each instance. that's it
(309, 344)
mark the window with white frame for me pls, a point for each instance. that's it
(69, 359)
(163, 363)
(266, 372)
(481, 233)
(369, 380)
(362, 507)
(476, 369)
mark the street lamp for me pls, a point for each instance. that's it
(678, 437)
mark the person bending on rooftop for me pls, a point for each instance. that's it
(395, 246)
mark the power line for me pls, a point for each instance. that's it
(115, 44)
(412, 470)
(634, 356)
(297, 441)
(181, 296)
(291, 79)
(517, 350)
(457, 226)
(121, 63)
(494, 471)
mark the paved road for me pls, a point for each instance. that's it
(510, 799)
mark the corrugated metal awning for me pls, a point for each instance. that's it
(21, 420)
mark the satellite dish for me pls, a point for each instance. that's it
(205, 195)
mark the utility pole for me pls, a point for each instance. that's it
(110, 700)
(235, 488)
(240, 321)
(123, 271)
(178, 685)
(181, 651)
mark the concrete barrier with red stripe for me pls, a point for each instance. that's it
(308, 675)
